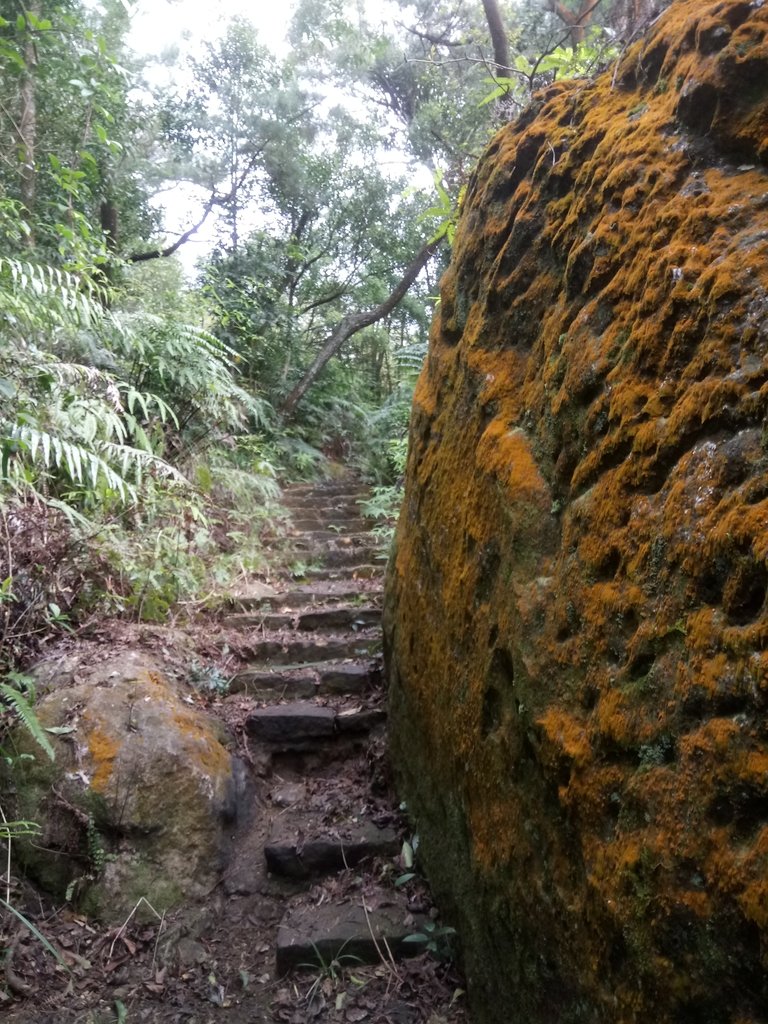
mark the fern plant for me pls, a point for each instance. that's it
(17, 693)
(67, 425)
(190, 370)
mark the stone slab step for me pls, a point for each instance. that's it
(312, 594)
(297, 723)
(348, 572)
(340, 617)
(322, 540)
(316, 936)
(288, 649)
(298, 651)
(294, 853)
(351, 556)
(301, 507)
(300, 725)
(328, 487)
(316, 535)
(346, 526)
(325, 620)
(326, 678)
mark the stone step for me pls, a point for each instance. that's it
(307, 507)
(323, 540)
(315, 936)
(340, 617)
(318, 594)
(325, 678)
(294, 851)
(351, 556)
(303, 725)
(346, 526)
(348, 572)
(314, 536)
(329, 487)
(288, 649)
(324, 620)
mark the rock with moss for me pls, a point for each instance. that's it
(576, 620)
(140, 800)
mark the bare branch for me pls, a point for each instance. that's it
(214, 200)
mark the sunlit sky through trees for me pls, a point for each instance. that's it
(159, 26)
(183, 27)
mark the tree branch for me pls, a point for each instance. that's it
(577, 22)
(215, 200)
(169, 250)
(355, 322)
(323, 301)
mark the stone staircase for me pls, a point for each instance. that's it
(314, 721)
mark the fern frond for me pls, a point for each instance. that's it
(137, 460)
(244, 484)
(13, 829)
(83, 464)
(36, 295)
(25, 712)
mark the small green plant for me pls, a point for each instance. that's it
(328, 970)
(596, 50)
(446, 210)
(17, 693)
(97, 853)
(438, 940)
(209, 679)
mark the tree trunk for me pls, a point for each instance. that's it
(498, 38)
(27, 129)
(577, 21)
(355, 322)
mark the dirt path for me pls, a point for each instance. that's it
(313, 917)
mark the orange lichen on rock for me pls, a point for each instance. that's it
(576, 615)
(103, 750)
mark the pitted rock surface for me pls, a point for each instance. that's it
(576, 617)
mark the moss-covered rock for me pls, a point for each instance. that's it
(139, 799)
(576, 624)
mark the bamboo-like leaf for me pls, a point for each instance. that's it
(38, 934)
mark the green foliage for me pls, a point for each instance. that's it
(439, 940)
(64, 101)
(66, 426)
(580, 61)
(446, 210)
(209, 679)
(17, 693)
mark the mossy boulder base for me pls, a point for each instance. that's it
(139, 799)
(576, 622)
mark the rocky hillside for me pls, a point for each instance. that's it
(576, 619)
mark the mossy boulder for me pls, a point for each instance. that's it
(576, 619)
(140, 799)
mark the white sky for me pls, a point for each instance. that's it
(159, 24)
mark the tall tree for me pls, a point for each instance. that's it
(64, 99)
